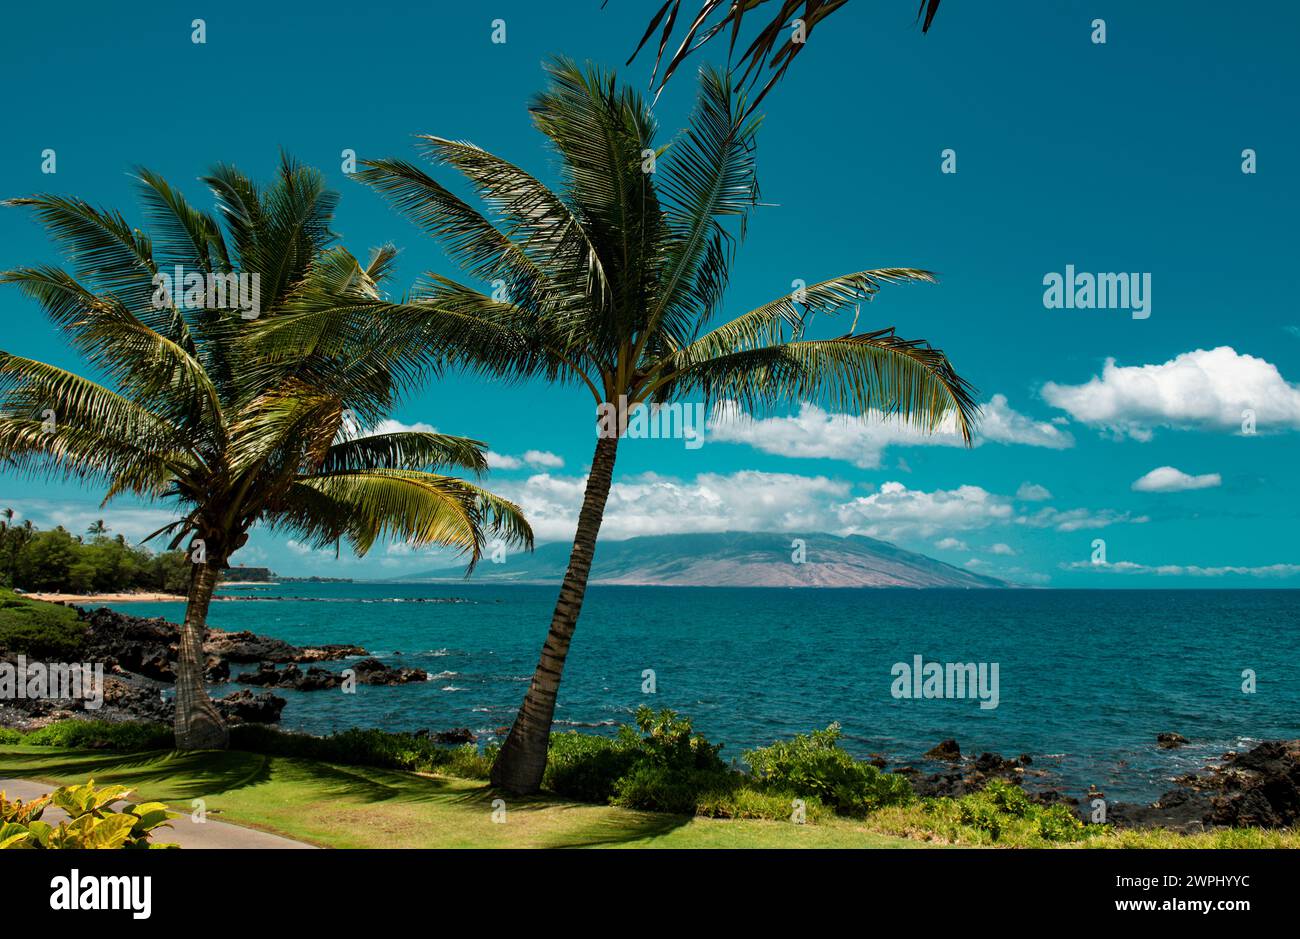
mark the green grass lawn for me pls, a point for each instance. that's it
(359, 807)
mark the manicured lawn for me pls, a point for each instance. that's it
(360, 807)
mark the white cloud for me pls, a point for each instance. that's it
(650, 504)
(397, 427)
(543, 458)
(896, 511)
(814, 433)
(538, 459)
(1203, 389)
(1078, 519)
(1169, 479)
(134, 522)
(1192, 570)
(1032, 492)
(1003, 549)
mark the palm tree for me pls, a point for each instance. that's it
(610, 283)
(97, 528)
(775, 45)
(201, 419)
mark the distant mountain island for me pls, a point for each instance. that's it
(732, 559)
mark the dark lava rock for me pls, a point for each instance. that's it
(946, 751)
(458, 735)
(1260, 788)
(245, 707)
(314, 679)
(970, 776)
(1170, 741)
(375, 672)
(148, 646)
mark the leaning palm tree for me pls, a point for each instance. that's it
(199, 419)
(611, 283)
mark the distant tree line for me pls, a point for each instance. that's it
(58, 561)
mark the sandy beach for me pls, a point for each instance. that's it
(79, 598)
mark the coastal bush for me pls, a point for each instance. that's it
(744, 801)
(91, 823)
(10, 736)
(1058, 823)
(815, 765)
(586, 767)
(1001, 813)
(101, 735)
(37, 629)
(658, 763)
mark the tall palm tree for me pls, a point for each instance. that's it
(199, 418)
(611, 283)
(97, 528)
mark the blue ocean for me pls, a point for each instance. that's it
(1086, 678)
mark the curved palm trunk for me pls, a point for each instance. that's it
(522, 760)
(198, 725)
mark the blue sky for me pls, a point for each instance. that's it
(1116, 157)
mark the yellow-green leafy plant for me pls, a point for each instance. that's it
(92, 823)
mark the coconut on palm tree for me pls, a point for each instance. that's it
(613, 282)
(191, 413)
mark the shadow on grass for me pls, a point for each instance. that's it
(619, 826)
(170, 775)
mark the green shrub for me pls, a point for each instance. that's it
(90, 824)
(657, 764)
(814, 765)
(981, 815)
(101, 735)
(585, 767)
(745, 801)
(38, 629)
(1058, 823)
(10, 736)
(1008, 798)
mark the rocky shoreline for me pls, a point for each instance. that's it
(139, 658)
(1259, 788)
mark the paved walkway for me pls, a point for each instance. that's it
(184, 831)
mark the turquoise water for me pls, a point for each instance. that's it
(1086, 678)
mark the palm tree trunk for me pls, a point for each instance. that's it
(522, 760)
(198, 725)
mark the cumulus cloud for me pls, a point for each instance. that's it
(1169, 479)
(543, 458)
(815, 433)
(1189, 570)
(397, 427)
(1004, 549)
(538, 459)
(896, 511)
(1032, 492)
(1207, 389)
(652, 504)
